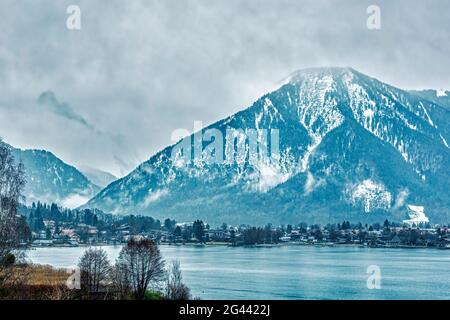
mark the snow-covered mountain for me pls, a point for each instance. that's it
(350, 147)
(98, 177)
(49, 179)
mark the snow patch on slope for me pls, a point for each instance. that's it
(416, 215)
(444, 141)
(317, 111)
(370, 195)
(430, 121)
(441, 93)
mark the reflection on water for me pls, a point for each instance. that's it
(294, 272)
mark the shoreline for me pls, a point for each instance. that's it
(226, 244)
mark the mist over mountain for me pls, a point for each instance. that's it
(350, 147)
(98, 177)
(50, 180)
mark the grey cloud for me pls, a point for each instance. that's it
(140, 69)
(48, 99)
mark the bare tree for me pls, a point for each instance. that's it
(175, 288)
(141, 264)
(94, 269)
(12, 182)
(119, 279)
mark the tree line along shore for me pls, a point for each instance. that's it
(51, 225)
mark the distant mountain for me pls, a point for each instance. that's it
(98, 177)
(441, 97)
(350, 147)
(49, 179)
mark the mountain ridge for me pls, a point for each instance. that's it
(311, 106)
(50, 179)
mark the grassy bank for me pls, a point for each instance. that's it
(35, 282)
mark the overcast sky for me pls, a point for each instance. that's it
(110, 95)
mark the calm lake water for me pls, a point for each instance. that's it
(294, 272)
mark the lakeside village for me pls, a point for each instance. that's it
(49, 225)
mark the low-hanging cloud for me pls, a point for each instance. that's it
(48, 99)
(401, 198)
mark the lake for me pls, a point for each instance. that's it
(294, 272)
